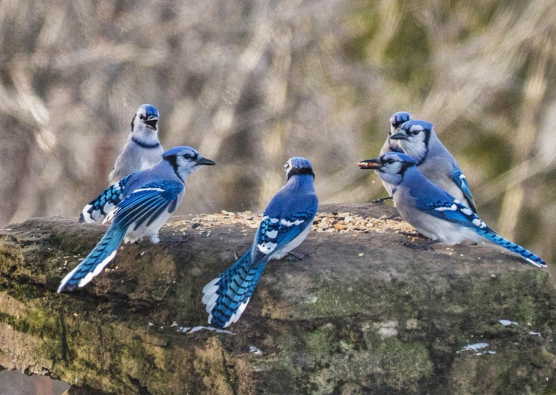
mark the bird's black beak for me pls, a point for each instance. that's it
(205, 161)
(372, 164)
(152, 123)
(399, 136)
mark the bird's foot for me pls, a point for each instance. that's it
(188, 330)
(425, 246)
(381, 200)
(414, 235)
(292, 256)
(175, 239)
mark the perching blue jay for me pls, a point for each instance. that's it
(285, 224)
(141, 152)
(144, 203)
(396, 120)
(431, 210)
(142, 149)
(418, 139)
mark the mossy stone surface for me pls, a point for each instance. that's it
(365, 313)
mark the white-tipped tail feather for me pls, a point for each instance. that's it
(89, 276)
(66, 278)
(87, 279)
(210, 296)
(89, 217)
(237, 314)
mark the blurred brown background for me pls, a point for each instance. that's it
(251, 83)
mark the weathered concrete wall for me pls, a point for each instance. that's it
(365, 313)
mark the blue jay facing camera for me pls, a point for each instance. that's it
(396, 120)
(418, 140)
(146, 200)
(431, 210)
(142, 149)
(285, 224)
(141, 152)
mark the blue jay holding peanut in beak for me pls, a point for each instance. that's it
(396, 120)
(434, 212)
(142, 149)
(139, 207)
(418, 139)
(285, 224)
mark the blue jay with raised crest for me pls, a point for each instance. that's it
(418, 139)
(396, 120)
(285, 224)
(142, 149)
(144, 203)
(431, 210)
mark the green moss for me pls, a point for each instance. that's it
(334, 300)
(334, 356)
(380, 334)
(404, 366)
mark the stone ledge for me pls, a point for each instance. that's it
(365, 313)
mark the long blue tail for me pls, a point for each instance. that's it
(227, 296)
(519, 250)
(97, 259)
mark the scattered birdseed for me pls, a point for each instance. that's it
(324, 222)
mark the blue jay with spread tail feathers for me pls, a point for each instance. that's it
(285, 224)
(142, 149)
(418, 139)
(145, 202)
(396, 120)
(431, 210)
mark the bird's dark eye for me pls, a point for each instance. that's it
(187, 156)
(141, 116)
(390, 161)
(416, 132)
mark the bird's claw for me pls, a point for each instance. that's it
(414, 235)
(381, 200)
(426, 246)
(292, 256)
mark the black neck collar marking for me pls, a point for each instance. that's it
(143, 144)
(173, 160)
(133, 122)
(403, 169)
(301, 171)
(426, 141)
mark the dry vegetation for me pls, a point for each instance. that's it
(251, 83)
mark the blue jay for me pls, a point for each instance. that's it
(142, 149)
(433, 211)
(145, 202)
(418, 139)
(285, 224)
(396, 120)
